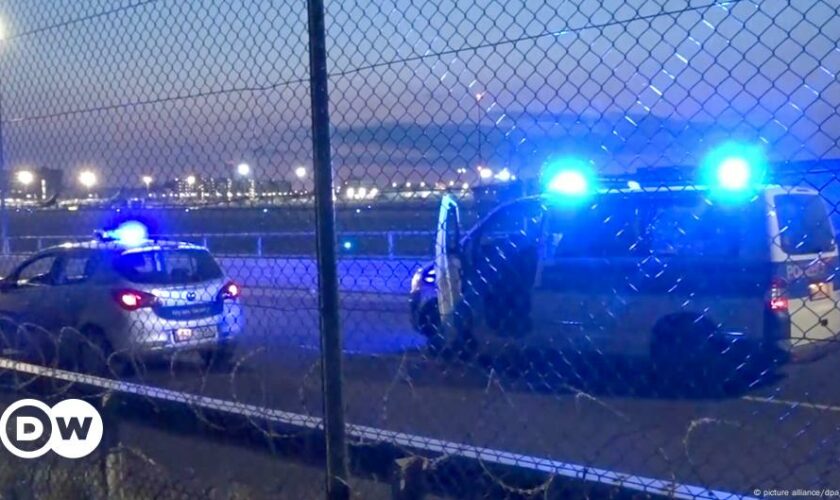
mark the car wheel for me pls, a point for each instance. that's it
(441, 346)
(682, 357)
(219, 358)
(96, 356)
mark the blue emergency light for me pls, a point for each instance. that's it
(734, 170)
(131, 233)
(568, 177)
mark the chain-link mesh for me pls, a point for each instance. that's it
(584, 248)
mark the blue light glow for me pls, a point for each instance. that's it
(568, 177)
(130, 233)
(734, 170)
(734, 174)
(347, 245)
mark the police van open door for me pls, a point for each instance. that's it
(448, 265)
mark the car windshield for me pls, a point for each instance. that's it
(804, 224)
(168, 267)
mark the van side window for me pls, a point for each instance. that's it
(695, 230)
(609, 228)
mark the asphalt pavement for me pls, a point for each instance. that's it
(783, 432)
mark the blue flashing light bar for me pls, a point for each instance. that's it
(734, 170)
(131, 233)
(568, 177)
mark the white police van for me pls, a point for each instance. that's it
(676, 274)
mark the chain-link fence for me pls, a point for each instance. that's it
(458, 249)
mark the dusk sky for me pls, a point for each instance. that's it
(418, 89)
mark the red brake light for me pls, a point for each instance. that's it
(778, 300)
(131, 300)
(230, 291)
(779, 304)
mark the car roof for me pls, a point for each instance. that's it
(120, 247)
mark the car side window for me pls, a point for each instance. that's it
(36, 272)
(76, 268)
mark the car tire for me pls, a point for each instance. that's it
(220, 358)
(685, 358)
(97, 357)
(463, 347)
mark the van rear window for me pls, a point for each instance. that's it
(168, 267)
(804, 224)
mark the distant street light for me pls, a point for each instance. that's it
(243, 169)
(504, 175)
(190, 180)
(87, 178)
(300, 172)
(485, 173)
(25, 177)
(147, 180)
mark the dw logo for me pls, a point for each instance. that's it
(30, 428)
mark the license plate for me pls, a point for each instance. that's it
(821, 290)
(183, 334)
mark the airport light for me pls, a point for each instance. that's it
(300, 172)
(25, 177)
(485, 173)
(504, 175)
(243, 169)
(88, 179)
(190, 180)
(147, 180)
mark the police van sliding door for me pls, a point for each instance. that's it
(585, 284)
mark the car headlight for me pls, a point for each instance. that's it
(415, 280)
(423, 275)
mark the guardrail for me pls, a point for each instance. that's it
(390, 244)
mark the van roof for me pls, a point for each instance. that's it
(771, 189)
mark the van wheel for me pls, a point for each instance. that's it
(685, 358)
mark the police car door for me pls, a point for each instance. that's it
(27, 308)
(448, 264)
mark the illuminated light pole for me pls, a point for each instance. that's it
(25, 177)
(88, 179)
(147, 181)
(244, 170)
(4, 220)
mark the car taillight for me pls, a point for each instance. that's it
(230, 291)
(131, 300)
(778, 300)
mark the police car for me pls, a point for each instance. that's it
(129, 296)
(679, 275)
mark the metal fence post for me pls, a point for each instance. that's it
(337, 486)
(4, 186)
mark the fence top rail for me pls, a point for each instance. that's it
(229, 234)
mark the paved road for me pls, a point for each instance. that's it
(782, 433)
